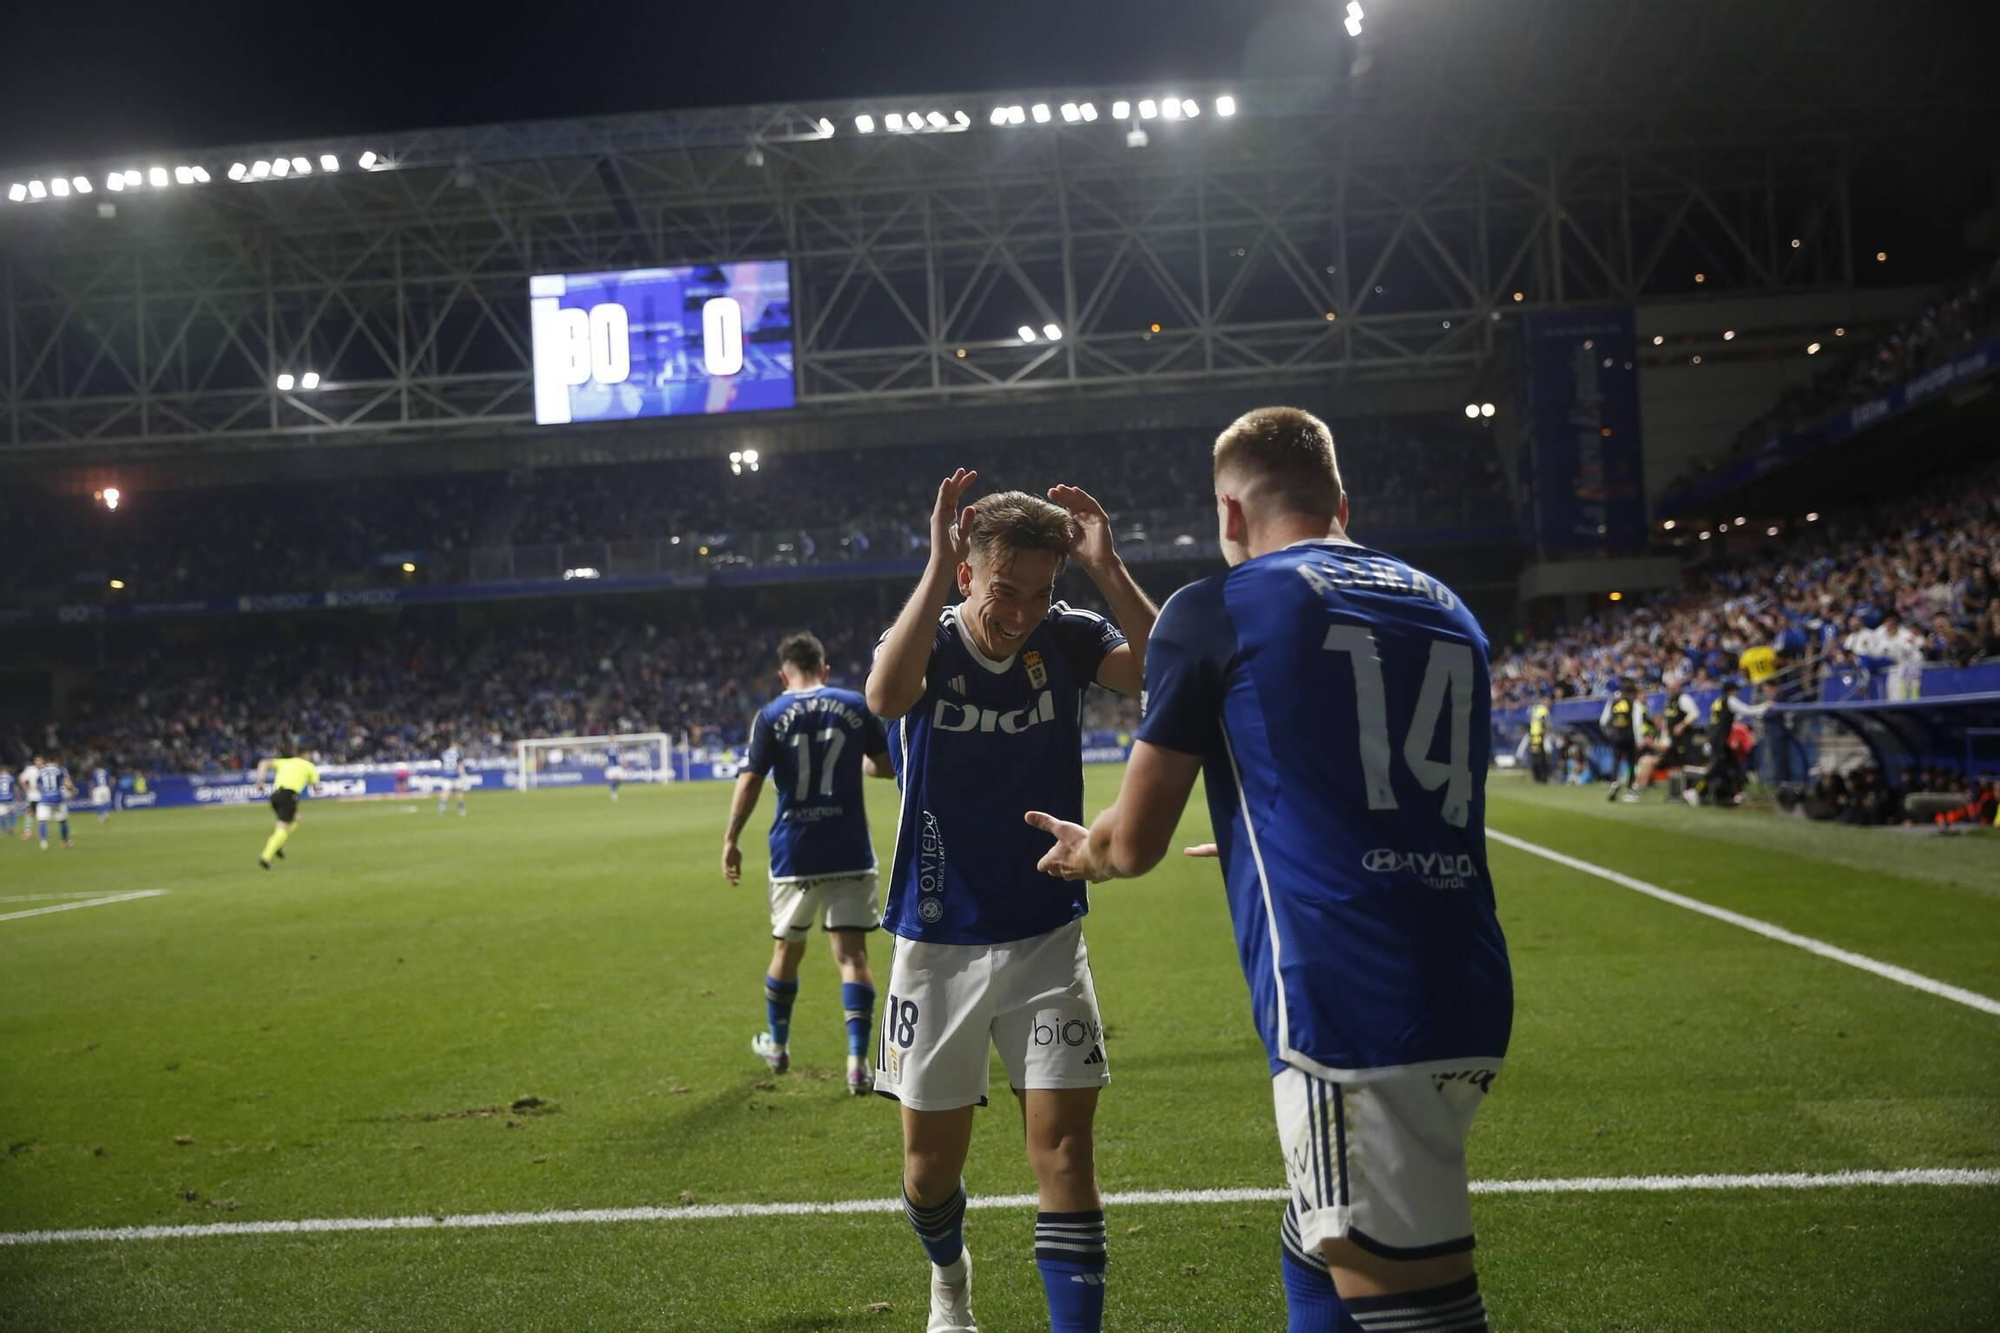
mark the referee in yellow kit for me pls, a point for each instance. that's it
(292, 777)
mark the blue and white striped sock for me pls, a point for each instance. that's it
(1069, 1251)
(940, 1227)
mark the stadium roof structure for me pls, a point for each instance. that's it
(1378, 224)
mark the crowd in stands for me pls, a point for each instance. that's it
(359, 693)
(1408, 474)
(1948, 324)
(1897, 585)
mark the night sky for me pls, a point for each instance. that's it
(80, 80)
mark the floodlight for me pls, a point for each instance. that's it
(238, 171)
(865, 124)
(1017, 115)
(1225, 105)
(261, 171)
(999, 116)
(1052, 332)
(285, 383)
(328, 162)
(1120, 110)
(1089, 110)
(132, 177)
(1486, 409)
(17, 192)
(963, 121)
(201, 176)
(156, 176)
(1472, 411)
(182, 176)
(1190, 108)
(1027, 333)
(114, 182)
(1040, 112)
(893, 122)
(280, 168)
(1148, 109)
(1070, 114)
(1170, 107)
(303, 167)
(1812, 349)
(937, 120)
(367, 160)
(1353, 26)
(59, 188)
(309, 380)
(749, 455)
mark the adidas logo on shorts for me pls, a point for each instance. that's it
(1096, 1056)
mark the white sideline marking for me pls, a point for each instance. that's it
(87, 902)
(44, 897)
(723, 1211)
(1901, 975)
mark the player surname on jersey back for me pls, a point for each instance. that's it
(1377, 574)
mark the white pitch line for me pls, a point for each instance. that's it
(87, 902)
(44, 897)
(1889, 971)
(707, 1212)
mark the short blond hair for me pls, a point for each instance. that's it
(1285, 457)
(1015, 521)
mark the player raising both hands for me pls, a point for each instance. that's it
(987, 700)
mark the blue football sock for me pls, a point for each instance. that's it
(940, 1227)
(42, 829)
(64, 826)
(1069, 1251)
(779, 996)
(1313, 1305)
(857, 998)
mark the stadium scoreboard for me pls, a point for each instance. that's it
(657, 342)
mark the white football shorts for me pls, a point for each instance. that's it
(1380, 1163)
(100, 796)
(615, 773)
(57, 811)
(836, 902)
(1032, 999)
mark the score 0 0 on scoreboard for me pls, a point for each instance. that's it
(657, 342)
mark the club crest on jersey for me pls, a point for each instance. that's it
(1038, 670)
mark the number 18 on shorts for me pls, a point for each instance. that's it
(1033, 1000)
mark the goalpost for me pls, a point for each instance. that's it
(577, 761)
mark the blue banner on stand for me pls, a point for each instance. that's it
(1581, 394)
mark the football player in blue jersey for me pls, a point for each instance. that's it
(100, 792)
(987, 700)
(614, 771)
(1339, 701)
(820, 742)
(8, 789)
(50, 788)
(455, 777)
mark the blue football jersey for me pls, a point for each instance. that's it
(49, 782)
(1340, 699)
(611, 756)
(6, 787)
(811, 744)
(450, 760)
(988, 742)
(99, 778)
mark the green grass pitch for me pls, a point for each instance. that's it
(344, 1037)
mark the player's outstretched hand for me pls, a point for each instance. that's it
(1093, 547)
(1204, 849)
(732, 863)
(951, 527)
(1070, 857)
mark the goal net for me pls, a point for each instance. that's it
(586, 761)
